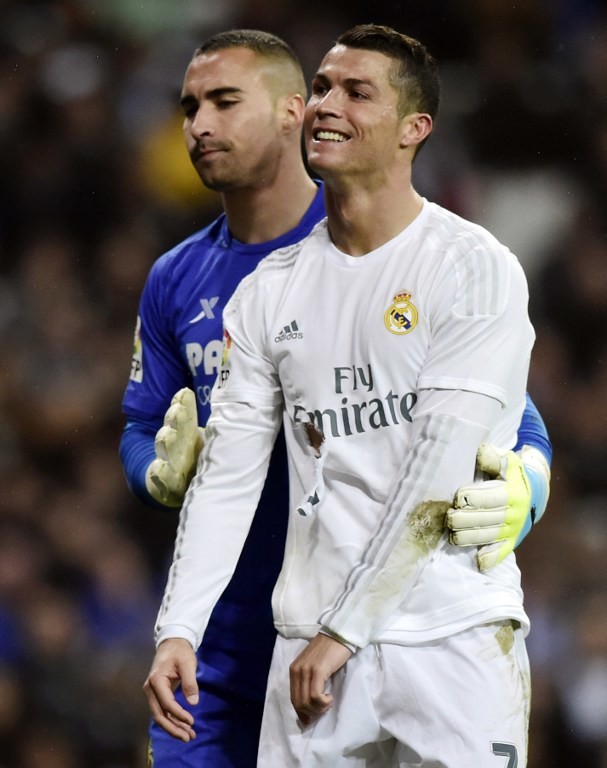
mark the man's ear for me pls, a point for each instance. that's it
(415, 128)
(291, 111)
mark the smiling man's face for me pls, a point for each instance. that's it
(351, 121)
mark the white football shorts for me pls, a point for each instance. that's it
(457, 702)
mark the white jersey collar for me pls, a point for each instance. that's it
(353, 262)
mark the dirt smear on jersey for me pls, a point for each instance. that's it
(421, 535)
(505, 638)
(315, 437)
(427, 524)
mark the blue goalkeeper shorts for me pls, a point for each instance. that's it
(234, 659)
(227, 734)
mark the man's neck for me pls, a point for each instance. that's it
(361, 220)
(258, 215)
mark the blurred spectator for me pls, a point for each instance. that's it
(571, 306)
(586, 684)
(12, 715)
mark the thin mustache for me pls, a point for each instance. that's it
(200, 149)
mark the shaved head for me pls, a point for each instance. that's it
(281, 68)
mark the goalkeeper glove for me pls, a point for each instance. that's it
(178, 444)
(497, 514)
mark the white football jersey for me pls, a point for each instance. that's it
(388, 370)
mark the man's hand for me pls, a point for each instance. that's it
(309, 674)
(178, 444)
(497, 514)
(174, 661)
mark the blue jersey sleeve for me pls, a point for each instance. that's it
(158, 369)
(532, 431)
(157, 372)
(136, 454)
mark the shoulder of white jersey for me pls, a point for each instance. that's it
(455, 229)
(483, 266)
(273, 268)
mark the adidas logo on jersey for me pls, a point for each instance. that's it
(289, 332)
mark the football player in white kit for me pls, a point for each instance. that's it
(392, 342)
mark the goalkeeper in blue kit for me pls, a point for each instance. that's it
(243, 101)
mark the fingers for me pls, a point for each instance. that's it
(178, 441)
(182, 411)
(165, 442)
(478, 537)
(490, 460)
(179, 418)
(187, 399)
(174, 662)
(166, 710)
(170, 485)
(308, 696)
(309, 674)
(168, 713)
(479, 514)
(473, 519)
(488, 557)
(495, 514)
(169, 474)
(491, 494)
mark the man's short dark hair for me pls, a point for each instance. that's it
(265, 44)
(415, 75)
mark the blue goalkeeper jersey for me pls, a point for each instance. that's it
(178, 343)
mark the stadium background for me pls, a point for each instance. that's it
(95, 184)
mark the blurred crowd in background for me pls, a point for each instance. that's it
(95, 184)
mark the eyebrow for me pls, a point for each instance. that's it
(351, 82)
(214, 94)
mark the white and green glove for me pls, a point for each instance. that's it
(495, 515)
(178, 444)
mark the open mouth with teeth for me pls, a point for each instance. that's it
(324, 135)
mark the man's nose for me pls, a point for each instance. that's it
(201, 125)
(328, 104)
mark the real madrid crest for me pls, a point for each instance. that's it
(401, 316)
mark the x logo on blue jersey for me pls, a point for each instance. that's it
(207, 309)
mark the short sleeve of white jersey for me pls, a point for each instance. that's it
(479, 326)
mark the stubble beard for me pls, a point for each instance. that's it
(219, 179)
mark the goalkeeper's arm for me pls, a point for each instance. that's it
(159, 460)
(497, 514)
